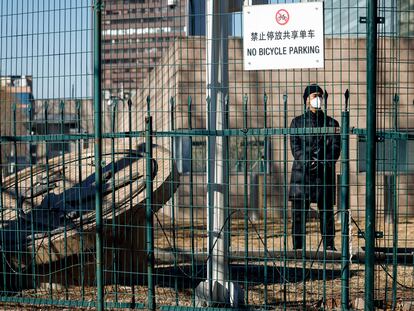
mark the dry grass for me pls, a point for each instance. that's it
(285, 283)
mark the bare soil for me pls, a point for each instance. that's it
(266, 279)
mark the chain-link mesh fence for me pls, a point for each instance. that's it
(142, 165)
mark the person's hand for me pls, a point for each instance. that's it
(313, 165)
(315, 154)
(314, 161)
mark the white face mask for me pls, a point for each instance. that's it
(316, 102)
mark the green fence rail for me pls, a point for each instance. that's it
(142, 167)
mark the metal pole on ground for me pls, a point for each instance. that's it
(217, 289)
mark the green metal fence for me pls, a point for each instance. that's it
(143, 167)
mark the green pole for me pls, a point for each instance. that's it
(97, 88)
(371, 152)
(149, 214)
(396, 100)
(131, 260)
(113, 198)
(62, 132)
(81, 236)
(285, 199)
(49, 235)
(193, 262)
(264, 169)
(32, 162)
(345, 205)
(245, 202)
(18, 201)
(174, 238)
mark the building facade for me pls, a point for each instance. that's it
(21, 87)
(187, 82)
(17, 110)
(136, 33)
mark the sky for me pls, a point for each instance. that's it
(49, 40)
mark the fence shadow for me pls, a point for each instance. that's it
(181, 276)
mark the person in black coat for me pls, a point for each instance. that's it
(313, 170)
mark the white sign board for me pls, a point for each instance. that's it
(283, 36)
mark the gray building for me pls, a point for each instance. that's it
(136, 33)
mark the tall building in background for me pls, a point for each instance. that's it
(22, 89)
(136, 33)
(406, 18)
(16, 156)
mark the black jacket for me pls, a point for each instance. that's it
(314, 155)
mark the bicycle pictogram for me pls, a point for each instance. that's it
(282, 17)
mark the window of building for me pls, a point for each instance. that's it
(133, 1)
(113, 12)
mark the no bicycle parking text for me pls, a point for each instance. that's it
(291, 50)
(282, 36)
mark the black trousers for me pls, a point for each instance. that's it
(300, 210)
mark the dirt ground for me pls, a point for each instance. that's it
(292, 279)
(266, 276)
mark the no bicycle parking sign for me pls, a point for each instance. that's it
(283, 36)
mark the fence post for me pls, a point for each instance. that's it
(129, 104)
(19, 209)
(49, 238)
(193, 262)
(344, 206)
(81, 236)
(149, 214)
(245, 202)
(97, 77)
(285, 197)
(31, 162)
(113, 108)
(173, 204)
(371, 46)
(265, 170)
(62, 132)
(3, 288)
(396, 100)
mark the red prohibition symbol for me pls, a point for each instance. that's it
(282, 17)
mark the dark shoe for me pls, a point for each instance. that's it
(331, 248)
